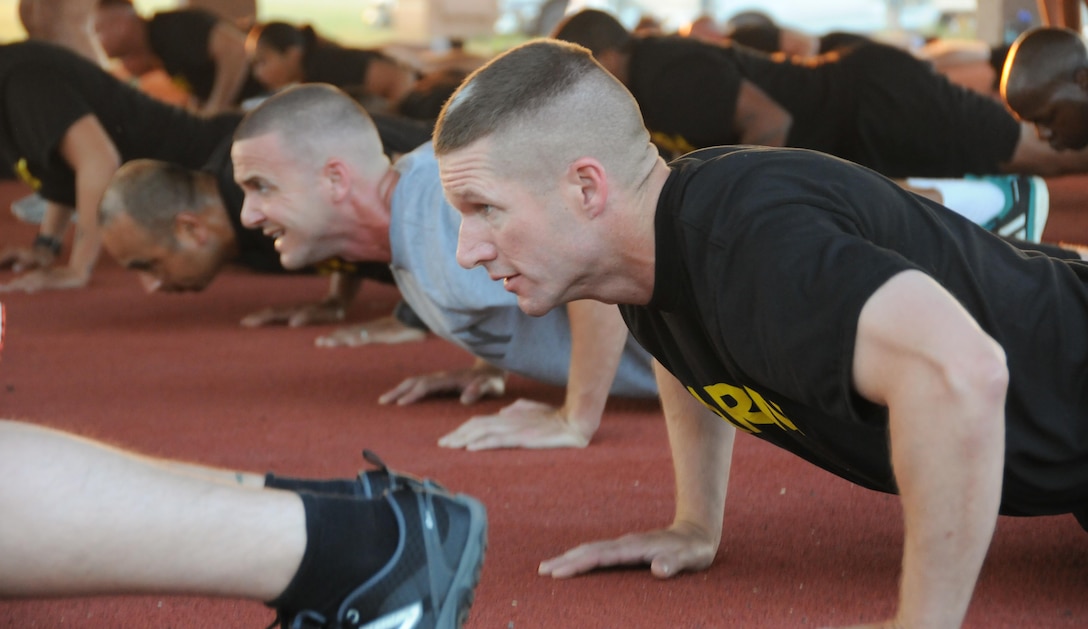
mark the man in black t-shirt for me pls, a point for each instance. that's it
(872, 104)
(203, 53)
(792, 295)
(65, 127)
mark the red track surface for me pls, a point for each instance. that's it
(175, 376)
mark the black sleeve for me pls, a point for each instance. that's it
(40, 108)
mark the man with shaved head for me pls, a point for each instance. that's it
(316, 180)
(178, 228)
(789, 294)
(1045, 83)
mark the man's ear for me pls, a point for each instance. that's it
(337, 178)
(591, 180)
(191, 228)
(1080, 77)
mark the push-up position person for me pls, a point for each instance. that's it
(178, 228)
(203, 53)
(67, 126)
(315, 179)
(791, 295)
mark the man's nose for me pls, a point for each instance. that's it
(471, 249)
(251, 214)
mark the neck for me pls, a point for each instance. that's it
(631, 277)
(369, 233)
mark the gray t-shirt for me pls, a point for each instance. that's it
(468, 308)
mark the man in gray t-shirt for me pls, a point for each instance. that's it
(316, 180)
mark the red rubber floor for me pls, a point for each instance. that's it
(175, 376)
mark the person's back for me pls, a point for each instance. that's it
(870, 103)
(689, 88)
(181, 39)
(48, 88)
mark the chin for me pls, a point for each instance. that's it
(534, 308)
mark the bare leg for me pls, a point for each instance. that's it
(69, 23)
(84, 518)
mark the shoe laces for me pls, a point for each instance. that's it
(305, 619)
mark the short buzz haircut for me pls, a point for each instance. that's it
(317, 121)
(544, 104)
(596, 30)
(1041, 58)
(152, 193)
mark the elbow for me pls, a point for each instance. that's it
(978, 384)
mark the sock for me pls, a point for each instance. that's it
(335, 486)
(977, 200)
(347, 541)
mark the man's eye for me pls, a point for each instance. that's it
(486, 210)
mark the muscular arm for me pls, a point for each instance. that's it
(94, 158)
(944, 382)
(702, 451)
(227, 47)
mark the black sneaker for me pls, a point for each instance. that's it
(374, 483)
(430, 581)
(367, 484)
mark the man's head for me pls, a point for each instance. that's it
(605, 37)
(310, 162)
(168, 223)
(539, 150)
(123, 35)
(1045, 82)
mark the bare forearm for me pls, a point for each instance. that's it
(702, 451)
(227, 48)
(598, 336)
(950, 489)
(90, 185)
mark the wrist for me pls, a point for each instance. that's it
(47, 243)
(586, 423)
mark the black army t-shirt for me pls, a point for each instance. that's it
(181, 39)
(45, 89)
(871, 104)
(765, 258)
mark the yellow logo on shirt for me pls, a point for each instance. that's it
(22, 169)
(675, 144)
(743, 407)
(181, 83)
